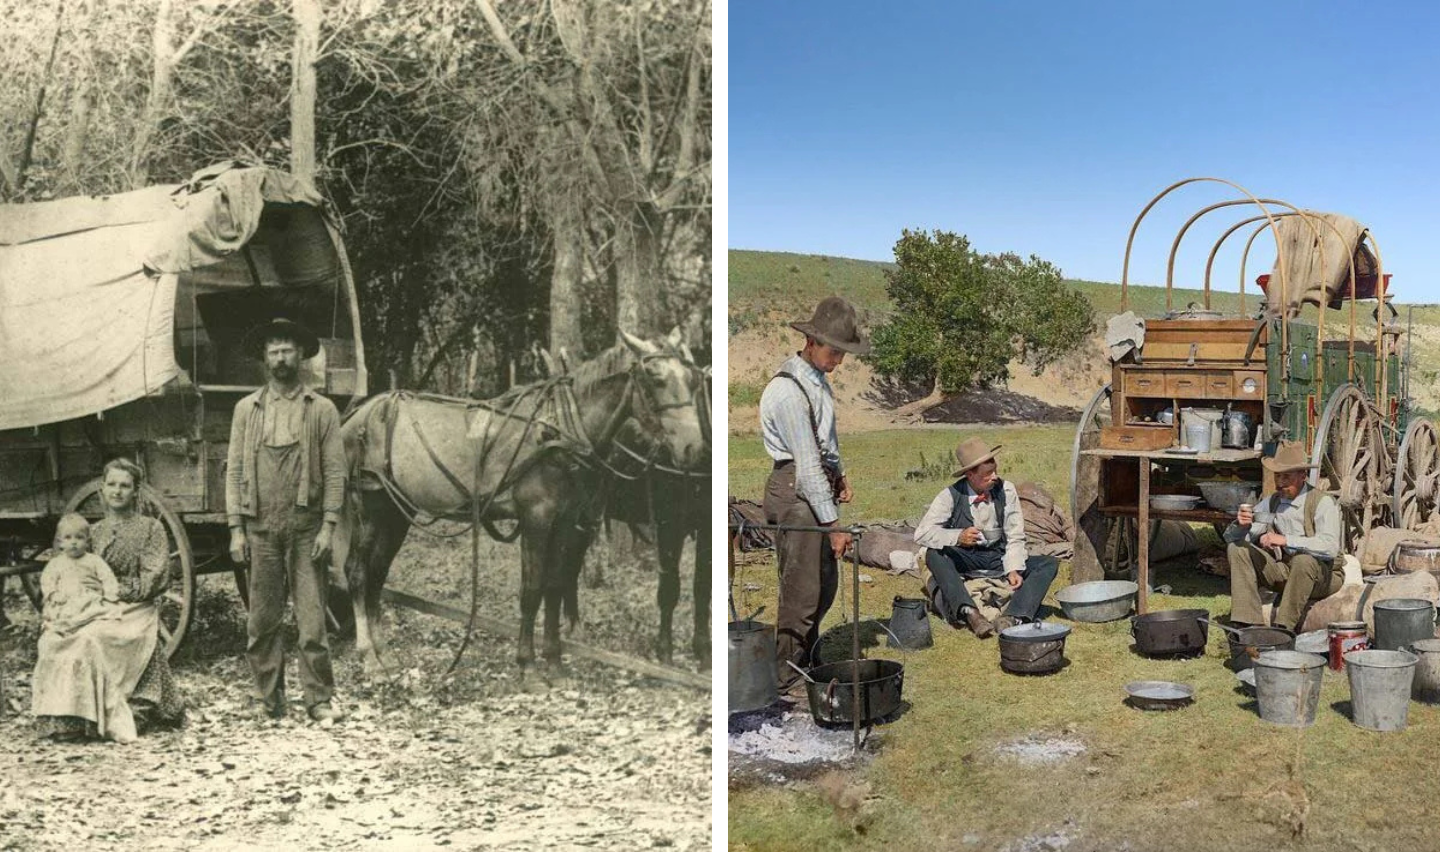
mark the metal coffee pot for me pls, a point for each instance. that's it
(1236, 430)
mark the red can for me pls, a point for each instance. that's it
(1346, 636)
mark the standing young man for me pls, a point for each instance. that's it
(284, 487)
(808, 481)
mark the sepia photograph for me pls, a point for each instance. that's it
(355, 424)
(1082, 452)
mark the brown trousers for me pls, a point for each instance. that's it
(1299, 580)
(809, 575)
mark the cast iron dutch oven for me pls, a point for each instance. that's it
(1033, 648)
(1171, 632)
(1250, 642)
(831, 690)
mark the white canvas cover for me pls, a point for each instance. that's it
(87, 286)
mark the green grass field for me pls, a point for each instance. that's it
(1212, 776)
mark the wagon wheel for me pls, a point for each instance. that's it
(1100, 541)
(1417, 472)
(177, 602)
(1348, 451)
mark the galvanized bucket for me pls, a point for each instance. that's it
(1401, 621)
(1287, 686)
(909, 624)
(1380, 688)
(752, 666)
(1427, 672)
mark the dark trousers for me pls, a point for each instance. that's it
(280, 559)
(952, 566)
(809, 575)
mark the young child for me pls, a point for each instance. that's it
(78, 586)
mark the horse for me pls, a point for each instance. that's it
(650, 488)
(531, 455)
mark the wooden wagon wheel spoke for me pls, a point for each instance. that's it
(1413, 499)
(1347, 452)
(176, 603)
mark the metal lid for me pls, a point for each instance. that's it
(1036, 631)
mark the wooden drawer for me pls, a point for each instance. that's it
(1219, 385)
(1136, 437)
(1189, 383)
(1144, 383)
(1257, 381)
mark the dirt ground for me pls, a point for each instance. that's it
(584, 757)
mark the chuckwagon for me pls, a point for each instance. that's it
(1179, 431)
(121, 327)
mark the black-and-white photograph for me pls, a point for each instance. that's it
(355, 424)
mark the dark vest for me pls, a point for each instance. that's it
(961, 516)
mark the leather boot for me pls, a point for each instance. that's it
(979, 624)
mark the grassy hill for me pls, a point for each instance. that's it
(762, 281)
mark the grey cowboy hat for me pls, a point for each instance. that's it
(834, 324)
(254, 340)
(972, 452)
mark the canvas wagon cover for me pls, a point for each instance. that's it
(87, 285)
(1317, 248)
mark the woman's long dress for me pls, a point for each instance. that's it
(88, 680)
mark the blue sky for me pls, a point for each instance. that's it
(1044, 127)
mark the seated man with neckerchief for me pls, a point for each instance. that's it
(974, 528)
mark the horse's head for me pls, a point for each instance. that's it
(671, 405)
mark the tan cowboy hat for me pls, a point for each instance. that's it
(834, 323)
(1290, 457)
(254, 342)
(972, 452)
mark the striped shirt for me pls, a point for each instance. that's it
(785, 428)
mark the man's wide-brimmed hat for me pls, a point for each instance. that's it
(280, 328)
(834, 323)
(1290, 457)
(972, 452)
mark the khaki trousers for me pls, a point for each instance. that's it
(809, 575)
(1299, 580)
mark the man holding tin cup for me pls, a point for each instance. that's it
(1290, 544)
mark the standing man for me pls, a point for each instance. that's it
(1288, 542)
(973, 529)
(284, 487)
(797, 424)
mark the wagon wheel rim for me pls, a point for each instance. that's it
(1095, 417)
(177, 602)
(1119, 535)
(1417, 474)
(1347, 453)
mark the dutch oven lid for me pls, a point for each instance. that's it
(1036, 631)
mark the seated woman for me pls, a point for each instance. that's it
(89, 682)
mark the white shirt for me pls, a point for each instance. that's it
(931, 531)
(788, 435)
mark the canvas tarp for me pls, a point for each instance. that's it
(87, 286)
(1317, 248)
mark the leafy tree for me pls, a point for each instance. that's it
(962, 316)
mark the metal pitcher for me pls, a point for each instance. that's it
(1235, 430)
(909, 624)
(752, 666)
